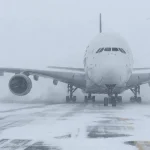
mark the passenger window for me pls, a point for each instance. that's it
(114, 49)
(107, 49)
(99, 50)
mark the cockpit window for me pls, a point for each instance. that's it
(121, 50)
(115, 49)
(107, 49)
(99, 50)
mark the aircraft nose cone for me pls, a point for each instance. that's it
(109, 72)
(111, 76)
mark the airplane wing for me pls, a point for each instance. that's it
(139, 76)
(73, 76)
(67, 68)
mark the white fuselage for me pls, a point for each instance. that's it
(108, 61)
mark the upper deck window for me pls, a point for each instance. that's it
(121, 50)
(115, 49)
(99, 50)
(107, 49)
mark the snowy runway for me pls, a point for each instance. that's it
(73, 126)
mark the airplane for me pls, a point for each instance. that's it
(108, 69)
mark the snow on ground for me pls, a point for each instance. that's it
(12, 106)
(73, 126)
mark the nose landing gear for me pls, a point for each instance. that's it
(112, 99)
(71, 90)
(89, 97)
(106, 101)
(135, 98)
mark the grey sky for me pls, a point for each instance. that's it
(38, 33)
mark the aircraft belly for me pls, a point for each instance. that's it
(96, 89)
(102, 89)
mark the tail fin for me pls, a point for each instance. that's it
(100, 23)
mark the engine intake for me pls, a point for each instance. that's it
(20, 84)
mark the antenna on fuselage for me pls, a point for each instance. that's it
(100, 23)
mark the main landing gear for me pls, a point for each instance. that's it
(89, 97)
(71, 90)
(135, 98)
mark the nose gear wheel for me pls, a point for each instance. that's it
(89, 97)
(112, 99)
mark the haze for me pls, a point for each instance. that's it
(37, 33)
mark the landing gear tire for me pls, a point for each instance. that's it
(139, 100)
(113, 101)
(86, 99)
(67, 99)
(136, 91)
(106, 101)
(93, 99)
(120, 99)
(109, 100)
(71, 90)
(132, 99)
(89, 98)
(74, 99)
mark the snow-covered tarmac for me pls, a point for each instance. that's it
(74, 126)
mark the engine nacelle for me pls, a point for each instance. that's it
(20, 84)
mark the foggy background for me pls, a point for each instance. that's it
(39, 33)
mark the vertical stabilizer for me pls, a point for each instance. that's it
(100, 23)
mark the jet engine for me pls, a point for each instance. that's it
(20, 84)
